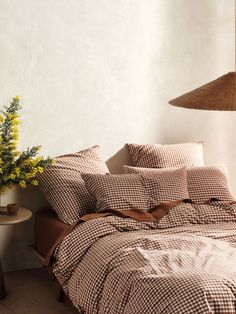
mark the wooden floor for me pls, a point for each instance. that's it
(31, 292)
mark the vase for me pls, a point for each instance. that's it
(12, 209)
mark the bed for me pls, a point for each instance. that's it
(116, 265)
(160, 238)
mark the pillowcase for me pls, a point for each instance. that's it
(204, 183)
(117, 192)
(162, 184)
(164, 156)
(209, 182)
(166, 185)
(65, 189)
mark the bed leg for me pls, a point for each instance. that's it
(59, 292)
(58, 288)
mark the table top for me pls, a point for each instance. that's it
(23, 214)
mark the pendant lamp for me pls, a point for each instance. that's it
(219, 94)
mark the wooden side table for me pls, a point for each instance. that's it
(23, 214)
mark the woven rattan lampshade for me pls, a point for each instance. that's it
(219, 94)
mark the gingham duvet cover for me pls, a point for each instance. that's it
(115, 265)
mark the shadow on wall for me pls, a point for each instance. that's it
(32, 198)
(116, 162)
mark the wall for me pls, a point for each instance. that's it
(101, 72)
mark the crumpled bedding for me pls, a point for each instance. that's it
(185, 263)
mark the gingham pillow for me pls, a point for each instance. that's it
(164, 156)
(166, 185)
(117, 192)
(64, 188)
(208, 182)
(204, 183)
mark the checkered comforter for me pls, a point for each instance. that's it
(186, 264)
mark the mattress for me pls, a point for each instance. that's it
(48, 228)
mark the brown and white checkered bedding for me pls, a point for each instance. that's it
(207, 182)
(163, 156)
(114, 265)
(118, 191)
(166, 185)
(203, 183)
(63, 186)
(136, 191)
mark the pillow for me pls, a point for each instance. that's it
(209, 182)
(166, 185)
(65, 189)
(204, 183)
(141, 170)
(117, 192)
(164, 156)
(163, 184)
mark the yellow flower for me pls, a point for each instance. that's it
(13, 146)
(17, 97)
(34, 182)
(34, 172)
(28, 176)
(37, 159)
(11, 176)
(15, 122)
(15, 154)
(17, 171)
(22, 184)
(27, 162)
(40, 169)
(15, 135)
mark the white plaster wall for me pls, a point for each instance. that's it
(101, 72)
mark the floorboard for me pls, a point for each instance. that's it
(31, 292)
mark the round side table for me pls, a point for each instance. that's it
(23, 214)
